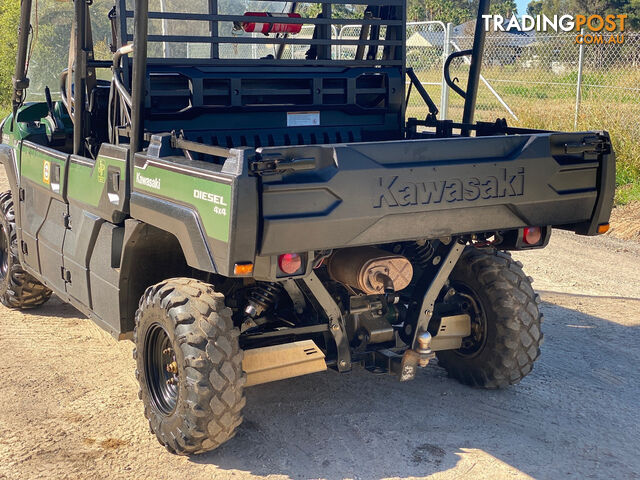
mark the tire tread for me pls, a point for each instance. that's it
(517, 321)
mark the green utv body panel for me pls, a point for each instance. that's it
(38, 166)
(88, 180)
(211, 208)
(211, 198)
(86, 183)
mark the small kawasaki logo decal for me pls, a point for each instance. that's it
(148, 182)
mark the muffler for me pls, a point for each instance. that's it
(370, 270)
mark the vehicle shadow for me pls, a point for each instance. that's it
(575, 416)
(55, 308)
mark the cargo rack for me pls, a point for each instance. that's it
(381, 41)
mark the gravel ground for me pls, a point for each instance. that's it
(70, 406)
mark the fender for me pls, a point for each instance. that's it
(181, 221)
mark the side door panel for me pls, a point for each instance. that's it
(43, 211)
(100, 186)
(79, 244)
(97, 194)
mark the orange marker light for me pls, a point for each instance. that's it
(243, 269)
(604, 228)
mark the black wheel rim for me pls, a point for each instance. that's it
(161, 370)
(4, 253)
(470, 304)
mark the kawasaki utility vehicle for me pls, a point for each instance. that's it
(247, 203)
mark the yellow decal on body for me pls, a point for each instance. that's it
(46, 172)
(102, 171)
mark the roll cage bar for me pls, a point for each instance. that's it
(389, 14)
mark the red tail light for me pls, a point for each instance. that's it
(290, 263)
(532, 235)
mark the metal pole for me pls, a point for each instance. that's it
(476, 65)
(165, 47)
(488, 85)
(20, 80)
(141, 29)
(79, 79)
(579, 85)
(215, 47)
(446, 50)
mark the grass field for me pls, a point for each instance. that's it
(541, 103)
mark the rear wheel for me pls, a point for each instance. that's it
(189, 366)
(505, 335)
(18, 289)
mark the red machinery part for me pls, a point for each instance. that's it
(272, 26)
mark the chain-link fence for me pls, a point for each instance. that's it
(537, 79)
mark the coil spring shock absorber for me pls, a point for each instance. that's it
(262, 297)
(422, 254)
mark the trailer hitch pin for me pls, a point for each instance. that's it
(420, 357)
(424, 349)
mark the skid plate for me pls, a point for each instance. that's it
(451, 332)
(277, 362)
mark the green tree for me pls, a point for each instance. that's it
(9, 17)
(455, 11)
(534, 8)
(589, 7)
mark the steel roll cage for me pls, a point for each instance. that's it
(393, 51)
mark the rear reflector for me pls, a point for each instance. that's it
(290, 263)
(243, 269)
(532, 235)
(604, 228)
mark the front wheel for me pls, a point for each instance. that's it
(189, 366)
(18, 289)
(505, 320)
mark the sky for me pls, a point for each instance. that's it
(522, 6)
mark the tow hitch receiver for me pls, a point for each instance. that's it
(277, 362)
(420, 357)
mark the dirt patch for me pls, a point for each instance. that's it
(66, 385)
(625, 222)
(113, 443)
(71, 408)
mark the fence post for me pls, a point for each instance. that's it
(579, 84)
(165, 47)
(444, 94)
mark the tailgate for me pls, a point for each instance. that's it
(370, 193)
